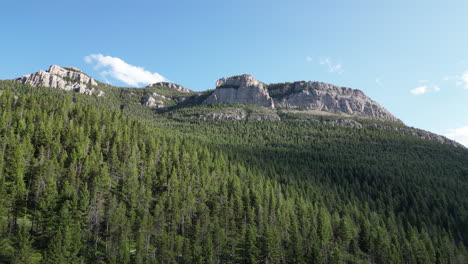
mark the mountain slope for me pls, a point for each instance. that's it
(108, 180)
(238, 98)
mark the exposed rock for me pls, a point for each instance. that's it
(230, 113)
(344, 122)
(61, 78)
(240, 114)
(100, 93)
(224, 116)
(317, 96)
(159, 95)
(152, 102)
(74, 69)
(262, 116)
(174, 86)
(327, 97)
(243, 89)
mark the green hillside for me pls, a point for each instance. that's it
(87, 179)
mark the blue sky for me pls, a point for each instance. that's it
(410, 56)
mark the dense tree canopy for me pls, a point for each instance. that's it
(85, 180)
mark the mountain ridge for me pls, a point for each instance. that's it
(243, 89)
(317, 101)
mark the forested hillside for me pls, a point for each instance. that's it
(93, 180)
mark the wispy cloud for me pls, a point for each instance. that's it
(464, 80)
(378, 81)
(420, 90)
(309, 59)
(122, 71)
(425, 86)
(460, 80)
(331, 66)
(459, 134)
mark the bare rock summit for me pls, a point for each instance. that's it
(329, 98)
(69, 79)
(317, 97)
(242, 89)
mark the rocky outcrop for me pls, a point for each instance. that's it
(339, 122)
(69, 79)
(239, 114)
(169, 85)
(151, 101)
(317, 96)
(224, 116)
(327, 97)
(243, 89)
(262, 116)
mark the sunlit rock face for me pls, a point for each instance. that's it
(327, 97)
(243, 89)
(62, 78)
(316, 96)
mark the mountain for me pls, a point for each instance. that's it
(241, 97)
(117, 179)
(243, 89)
(319, 98)
(62, 78)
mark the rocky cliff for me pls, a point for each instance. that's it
(154, 100)
(243, 89)
(317, 96)
(328, 98)
(62, 78)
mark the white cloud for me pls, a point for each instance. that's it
(332, 67)
(378, 81)
(420, 90)
(309, 59)
(459, 134)
(460, 80)
(425, 87)
(122, 71)
(464, 80)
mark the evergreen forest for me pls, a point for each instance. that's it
(103, 180)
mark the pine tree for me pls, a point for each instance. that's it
(24, 252)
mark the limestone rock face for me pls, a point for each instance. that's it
(327, 97)
(61, 78)
(152, 102)
(240, 114)
(317, 96)
(174, 86)
(243, 89)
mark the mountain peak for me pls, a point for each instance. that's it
(242, 89)
(64, 78)
(309, 97)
